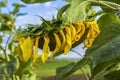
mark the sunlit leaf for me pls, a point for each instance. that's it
(79, 10)
(61, 11)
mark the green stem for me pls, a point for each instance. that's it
(6, 55)
(77, 53)
(110, 5)
(86, 76)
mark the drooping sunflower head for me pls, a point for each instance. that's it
(58, 35)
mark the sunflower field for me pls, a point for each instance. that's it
(77, 22)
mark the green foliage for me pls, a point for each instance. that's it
(64, 72)
(114, 1)
(104, 55)
(61, 11)
(3, 3)
(80, 11)
(107, 18)
(0, 39)
(115, 75)
(8, 69)
(16, 8)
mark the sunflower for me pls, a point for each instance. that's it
(57, 35)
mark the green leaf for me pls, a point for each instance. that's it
(115, 75)
(35, 1)
(62, 70)
(5, 27)
(11, 47)
(79, 10)
(61, 11)
(21, 14)
(28, 73)
(105, 43)
(0, 39)
(17, 7)
(105, 50)
(3, 3)
(9, 68)
(104, 68)
(71, 68)
(106, 19)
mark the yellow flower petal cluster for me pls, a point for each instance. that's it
(25, 49)
(71, 34)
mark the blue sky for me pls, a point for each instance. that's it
(46, 10)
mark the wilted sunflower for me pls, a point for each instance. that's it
(55, 36)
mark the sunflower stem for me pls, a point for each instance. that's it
(110, 5)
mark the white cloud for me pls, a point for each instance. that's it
(27, 19)
(33, 5)
(48, 4)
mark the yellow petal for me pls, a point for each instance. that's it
(26, 48)
(80, 33)
(73, 33)
(46, 49)
(92, 34)
(63, 40)
(68, 44)
(58, 45)
(78, 26)
(35, 55)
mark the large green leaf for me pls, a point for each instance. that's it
(104, 68)
(79, 10)
(105, 50)
(35, 1)
(64, 72)
(106, 19)
(101, 51)
(106, 46)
